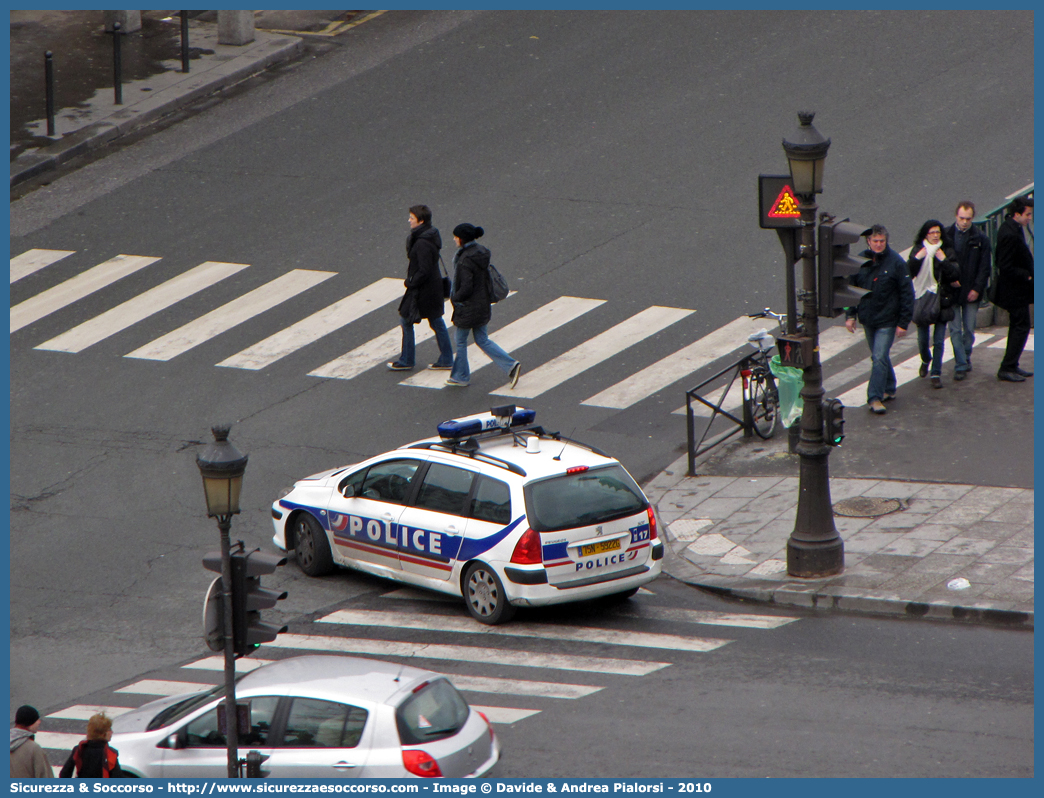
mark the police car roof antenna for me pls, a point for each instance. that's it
(564, 445)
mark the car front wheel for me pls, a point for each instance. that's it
(485, 597)
(312, 547)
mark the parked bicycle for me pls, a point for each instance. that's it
(759, 385)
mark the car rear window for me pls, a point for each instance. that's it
(433, 711)
(588, 497)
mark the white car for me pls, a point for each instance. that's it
(316, 717)
(494, 509)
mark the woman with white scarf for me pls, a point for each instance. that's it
(943, 278)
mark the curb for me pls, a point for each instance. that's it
(163, 102)
(831, 599)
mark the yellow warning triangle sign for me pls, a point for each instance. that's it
(785, 206)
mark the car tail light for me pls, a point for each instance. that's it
(492, 737)
(653, 532)
(420, 763)
(528, 550)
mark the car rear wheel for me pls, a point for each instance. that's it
(485, 597)
(312, 547)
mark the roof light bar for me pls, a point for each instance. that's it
(498, 418)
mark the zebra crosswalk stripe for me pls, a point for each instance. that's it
(484, 684)
(410, 620)
(85, 711)
(163, 688)
(142, 306)
(515, 335)
(316, 326)
(505, 714)
(231, 314)
(35, 259)
(76, 288)
(677, 366)
(595, 350)
(477, 654)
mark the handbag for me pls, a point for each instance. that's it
(927, 309)
(447, 286)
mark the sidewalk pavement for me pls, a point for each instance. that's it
(934, 550)
(97, 121)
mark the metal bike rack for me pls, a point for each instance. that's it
(744, 424)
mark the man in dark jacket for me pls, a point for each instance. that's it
(1015, 285)
(424, 297)
(973, 257)
(884, 312)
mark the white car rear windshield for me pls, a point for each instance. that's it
(582, 499)
(434, 711)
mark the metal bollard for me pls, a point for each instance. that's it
(184, 42)
(49, 83)
(117, 64)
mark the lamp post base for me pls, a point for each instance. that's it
(811, 559)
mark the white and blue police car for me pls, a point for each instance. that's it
(494, 509)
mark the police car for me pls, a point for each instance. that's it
(494, 509)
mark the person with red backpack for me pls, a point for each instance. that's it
(93, 758)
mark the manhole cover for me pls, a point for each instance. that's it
(865, 507)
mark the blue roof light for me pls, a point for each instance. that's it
(457, 428)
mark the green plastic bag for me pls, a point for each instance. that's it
(789, 382)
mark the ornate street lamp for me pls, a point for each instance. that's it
(222, 467)
(814, 548)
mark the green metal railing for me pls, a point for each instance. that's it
(991, 222)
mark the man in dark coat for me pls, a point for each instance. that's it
(424, 296)
(1015, 285)
(884, 312)
(973, 258)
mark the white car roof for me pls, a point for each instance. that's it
(334, 677)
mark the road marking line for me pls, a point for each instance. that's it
(482, 684)
(59, 742)
(76, 288)
(142, 306)
(505, 714)
(85, 711)
(314, 327)
(711, 617)
(515, 335)
(218, 664)
(163, 688)
(374, 352)
(679, 365)
(478, 654)
(1002, 342)
(594, 351)
(579, 634)
(35, 259)
(230, 314)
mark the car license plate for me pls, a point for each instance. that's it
(600, 547)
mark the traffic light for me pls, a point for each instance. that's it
(249, 598)
(836, 265)
(834, 421)
(214, 606)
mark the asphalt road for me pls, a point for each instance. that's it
(609, 155)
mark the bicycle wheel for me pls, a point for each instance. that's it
(763, 400)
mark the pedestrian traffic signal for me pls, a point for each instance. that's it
(836, 265)
(834, 421)
(249, 598)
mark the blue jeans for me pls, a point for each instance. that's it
(408, 355)
(962, 335)
(935, 357)
(882, 375)
(461, 372)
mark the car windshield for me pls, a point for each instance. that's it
(176, 712)
(433, 711)
(582, 499)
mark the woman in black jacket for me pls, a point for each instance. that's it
(944, 279)
(471, 306)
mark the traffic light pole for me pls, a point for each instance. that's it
(231, 716)
(814, 548)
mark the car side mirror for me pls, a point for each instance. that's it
(173, 742)
(348, 491)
